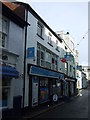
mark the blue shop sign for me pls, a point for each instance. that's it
(6, 71)
(69, 57)
(43, 72)
(31, 52)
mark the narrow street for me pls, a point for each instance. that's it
(77, 108)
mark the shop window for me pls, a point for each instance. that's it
(58, 88)
(5, 91)
(43, 90)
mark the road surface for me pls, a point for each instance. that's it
(77, 108)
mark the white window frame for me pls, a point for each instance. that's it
(39, 29)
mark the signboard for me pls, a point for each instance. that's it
(69, 57)
(31, 52)
(63, 60)
(79, 67)
(55, 97)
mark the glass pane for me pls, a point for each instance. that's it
(42, 63)
(4, 26)
(48, 65)
(38, 53)
(38, 61)
(42, 55)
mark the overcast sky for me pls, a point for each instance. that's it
(67, 16)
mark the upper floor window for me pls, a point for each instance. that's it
(70, 68)
(39, 29)
(46, 58)
(4, 33)
(57, 47)
(50, 39)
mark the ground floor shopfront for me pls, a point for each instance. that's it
(44, 84)
(7, 75)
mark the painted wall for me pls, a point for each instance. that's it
(33, 38)
(15, 53)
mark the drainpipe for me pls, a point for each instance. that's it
(24, 72)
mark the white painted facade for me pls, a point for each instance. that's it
(70, 45)
(32, 41)
(86, 70)
(82, 81)
(14, 50)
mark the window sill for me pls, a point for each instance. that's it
(50, 44)
(40, 36)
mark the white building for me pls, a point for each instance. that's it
(11, 56)
(70, 48)
(81, 81)
(86, 70)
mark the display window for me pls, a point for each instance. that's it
(43, 90)
(5, 91)
(58, 88)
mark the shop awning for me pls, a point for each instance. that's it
(6, 71)
(44, 72)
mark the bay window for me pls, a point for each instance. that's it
(46, 58)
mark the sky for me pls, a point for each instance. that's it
(67, 16)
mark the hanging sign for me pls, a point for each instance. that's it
(63, 60)
(69, 57)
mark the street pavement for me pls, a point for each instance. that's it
(77, 108)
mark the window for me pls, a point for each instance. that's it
(57, 47)
(74, 72)
(43, 89)
(39, 29)
(56, 42)
(66, 68)
(46, 58)
(5, 91)
(70, 68)
(4, 33)
(50, 39)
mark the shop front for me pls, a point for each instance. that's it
(71, 86)
(6, 75)
(43, 84)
